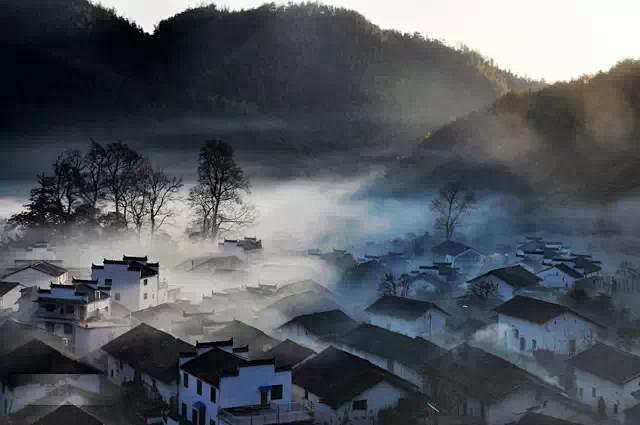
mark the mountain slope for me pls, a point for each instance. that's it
(577, 139)
(73, 60)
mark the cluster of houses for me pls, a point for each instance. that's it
(116, 348)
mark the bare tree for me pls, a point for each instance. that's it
(120, 166)
(135, 198)
(163, 191)
(94, 181)
(454, 201)
(217, 197)
(484, 289)
(388, 285)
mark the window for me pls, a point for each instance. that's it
(593, 392)
(50, 308)
(112, 373)
(108, 281)
(615, 408)
(117, 296)
(68, 329)
(69, 309)
(50, 327)
(144, 282)
(359, 405)
(212, 422)
(145, 295)
(185, 380)
(306, 395)
(516, 333)
(212, 394)
(276, 392)
(184, 410)
(534, 344)
(199, 387)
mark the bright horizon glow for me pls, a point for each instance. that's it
(550, 39)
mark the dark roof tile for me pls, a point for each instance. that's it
(405, 308)
(608, 363)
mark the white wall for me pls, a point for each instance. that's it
(612, 394)
(130, 287)
(87, 340)
(430, 323)
(555, 278)
(554, 335)
(32, 277)
(8, 300)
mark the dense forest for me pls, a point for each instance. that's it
(577, 138)
(73, 61)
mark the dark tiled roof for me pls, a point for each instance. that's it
(37, 358)
(337, 377)
(391, 345)
(516, 276)
(608, 363)
(450, 248)
(538, 419)
(568, 271)
(244, 335)
(6, 287)
(134, 258)
(405, 308)
(535, 310)
(68, 414)
(288, 353)
(327, 324)
(217, 363)
(481, 375)
(150, 350)
(50, 269)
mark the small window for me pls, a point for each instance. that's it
(534, 344)
(212, 394)
(108, 281)
(184, 410)
(615, 408)
(199, 387)
(212, 422)
(185, 380)
(145, 282)
(276, 392)
(580, 393)
(593, 392)
(117, 296)
(154, 383)
(359, 405)
(112, 373)
(145, 295)
(306, 395)
(50, 308)
(68, 329)
(516, 333)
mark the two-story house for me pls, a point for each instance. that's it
(531, 324)
(607, 380)
(217, 386)
(407, 316)
(79, 313)
(343, 388)
(559, 276)
(147, 357)
(505, 282)
(135, 282)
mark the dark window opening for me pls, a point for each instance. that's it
(276, 392)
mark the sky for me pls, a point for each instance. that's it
(550, 39)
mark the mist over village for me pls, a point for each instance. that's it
(294, 214)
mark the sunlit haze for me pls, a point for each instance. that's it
(550, 39)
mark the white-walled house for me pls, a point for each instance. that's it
(317, 330)
(135, 283)
(78, 313)
(507, 281)
(218, 386)
(607, 380)
(35, 369)
(343, 388)
(399, 354)
(470, 382)
(9, 295)
(458, 255)
(149, 357)
(40, 274)
(559, 276)
(530, 324)
(407, 316)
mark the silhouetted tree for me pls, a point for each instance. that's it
(93, 175)
(163, 191)
(452, 203)
(483, 289)
(120, 165)
(217, 198)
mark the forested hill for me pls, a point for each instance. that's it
(70, 60)
(578, 138)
